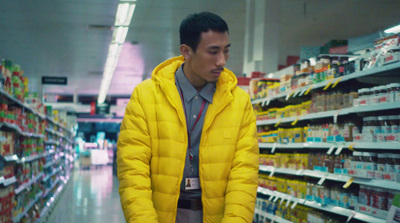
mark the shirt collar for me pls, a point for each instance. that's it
(207, 92)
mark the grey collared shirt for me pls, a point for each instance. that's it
(193, 101)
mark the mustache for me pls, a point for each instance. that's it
(218, 70)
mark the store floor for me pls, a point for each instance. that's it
(91, 197)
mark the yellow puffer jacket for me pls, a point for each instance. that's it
(152, 147)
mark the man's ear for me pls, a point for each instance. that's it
(186, 51)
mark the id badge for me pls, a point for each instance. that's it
(192, 183)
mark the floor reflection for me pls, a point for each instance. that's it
(91, 196)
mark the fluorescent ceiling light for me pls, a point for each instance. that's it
(395, 29)
(119, 34)
(122, 20)
(114, 49)
(124, 14)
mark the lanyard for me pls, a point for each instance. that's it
(187, 124)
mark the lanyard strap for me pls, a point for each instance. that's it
(197, 120)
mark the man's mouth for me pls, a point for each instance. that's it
(217, 71)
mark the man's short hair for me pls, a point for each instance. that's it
(194, 24)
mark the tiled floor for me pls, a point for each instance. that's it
(91, 197)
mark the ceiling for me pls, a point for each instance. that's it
(70, 38)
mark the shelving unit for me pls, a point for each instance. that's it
(57, 143)
(51, 187)
(328, 208)
(386, 184)
(327, 145)
(27, 208)
(292, 97)
(21, 104)
(301, 91)
(7, 181)
(16, 128)
(29, 183)
(271, 216)
(47, 177)
(50, 204)
(331, 114)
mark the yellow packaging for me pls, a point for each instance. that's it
(292, 110)
(297, 134)
(262, 115)
(272, 113)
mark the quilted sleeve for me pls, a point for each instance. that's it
(133, 163)
(242, 186)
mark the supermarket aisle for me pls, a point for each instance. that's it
(91, 196)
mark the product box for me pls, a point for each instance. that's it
(363, 208)
(390, 58)
(369, 174)
(386, 176)
(358, 138)
(314, 139)
(321, 168)
(387, 137)
(341, 171)
(394, 211)
(379, 213)
(369, 137)
(337, 138)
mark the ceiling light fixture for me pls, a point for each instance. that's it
(394, 29)
(123, 19)
(124, 14)
(119, 34)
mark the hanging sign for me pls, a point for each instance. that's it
(54, 80)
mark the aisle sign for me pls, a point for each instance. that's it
(54, 80)
(103, 109)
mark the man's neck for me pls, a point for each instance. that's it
(196, 83)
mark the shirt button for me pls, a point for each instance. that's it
(196, 97)
(194, 116)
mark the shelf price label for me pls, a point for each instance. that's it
(279, 122)
(293, 205)
(296, 93)
(337, 82)
(300, 172)
(335, 116)
(283, 199)
(339, 150)
(351, 216)
(331, 150)
(288, 202)
(351, 147)
(289, 95)
(272, 173)
(263, 103)
(302, 92)
(322, 180)
(273, 148)
(327, 85)
(348, 183)
(295, 121)
(276, 199)
(308, 90)
(271, 197)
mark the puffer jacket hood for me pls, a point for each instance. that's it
(166, 72)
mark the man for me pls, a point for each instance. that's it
(190, 122)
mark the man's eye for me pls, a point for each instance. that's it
(213, 52)
(226, 51)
